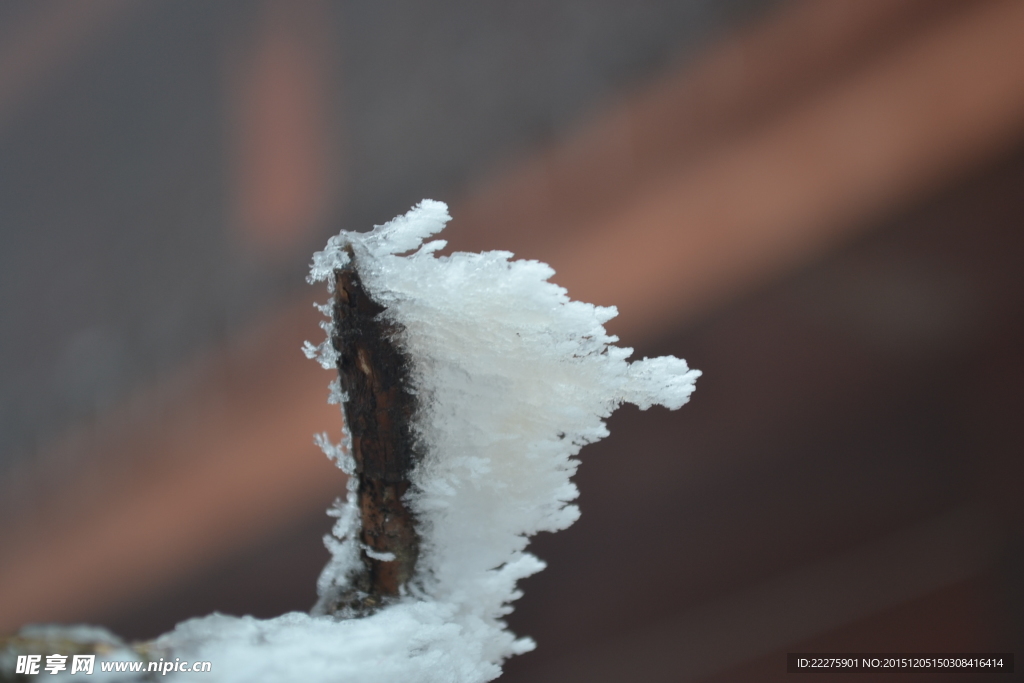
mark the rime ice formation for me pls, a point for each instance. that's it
(512, 378)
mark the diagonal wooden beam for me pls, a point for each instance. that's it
(924, 114)
(746, 82)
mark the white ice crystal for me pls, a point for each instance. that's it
(512, 379)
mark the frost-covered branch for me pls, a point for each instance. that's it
(469, 382)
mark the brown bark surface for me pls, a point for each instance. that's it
(375, 375)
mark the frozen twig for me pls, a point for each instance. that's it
(470, 382)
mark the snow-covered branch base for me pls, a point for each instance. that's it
(415, 641)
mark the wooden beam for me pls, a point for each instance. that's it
(948, 100)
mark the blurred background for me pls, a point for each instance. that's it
(819, 203)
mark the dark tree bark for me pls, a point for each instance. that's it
(374, 374)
